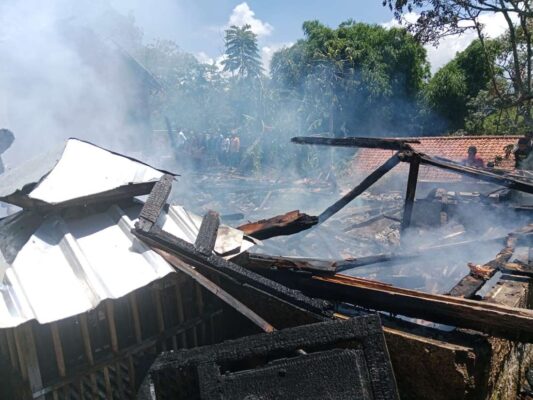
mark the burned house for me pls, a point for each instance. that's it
(106, 295)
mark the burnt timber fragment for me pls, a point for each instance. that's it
(469, 285)
(155, 203)
(207, 235)
(263, 261)
(363, 142)
(344, 360)
(281, 225)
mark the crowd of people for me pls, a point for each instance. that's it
(207, 148)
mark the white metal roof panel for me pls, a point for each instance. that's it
(70, 264)
(81, 171)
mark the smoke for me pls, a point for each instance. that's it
(64, 74)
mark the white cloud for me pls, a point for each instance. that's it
(268, 51)
(242, 14)
(494, 26)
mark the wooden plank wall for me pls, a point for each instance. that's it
(102, 354)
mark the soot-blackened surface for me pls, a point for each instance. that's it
(227, 370)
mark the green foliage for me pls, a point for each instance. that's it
(357, 79)
(452, 88)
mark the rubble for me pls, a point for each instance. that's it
(154, 276)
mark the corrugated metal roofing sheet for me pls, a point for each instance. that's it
(81, 172)
(68, 264)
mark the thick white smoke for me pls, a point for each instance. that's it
(63, 75)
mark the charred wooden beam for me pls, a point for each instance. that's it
(262, 261)
(155, 203)
(511, 182)
(364, 185)
(281, 306)
(364, 142)
(497, 320)
(410, 194)
(281, 225)
(207, 234)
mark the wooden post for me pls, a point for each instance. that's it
(24, 334)
(414, 166)
(181, 313)
(136, 317)
(58, 350)
(10, 337)
(86, 337)
(156, 293)
(107, 383)
(110, 314)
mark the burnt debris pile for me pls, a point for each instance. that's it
(105, 295)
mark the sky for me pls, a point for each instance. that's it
(197, 26)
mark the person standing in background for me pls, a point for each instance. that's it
(473, 160)
(234, 149)
(224, 150)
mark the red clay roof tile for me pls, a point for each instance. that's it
(450, 147)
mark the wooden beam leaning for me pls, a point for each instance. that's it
(497, 320)
(410, 194)
(363, 142)
(207, 235)
(364, 185)
(155, 203)
(216, 290)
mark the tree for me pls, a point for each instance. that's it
(439, 18)
(357, 79)
(451, 90)
(242, 53)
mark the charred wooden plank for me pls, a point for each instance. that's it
(262, 261)
(517, 268)
(364, 142)
(216, 290)
(281, 225)
(470, 284)
(497, 320)
(155, 203)
(364, 185)
(207, 234)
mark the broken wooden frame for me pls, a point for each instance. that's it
(344, 359)
(407, 154)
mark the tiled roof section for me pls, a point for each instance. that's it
(450, 147)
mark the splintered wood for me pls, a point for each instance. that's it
(281, 225)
